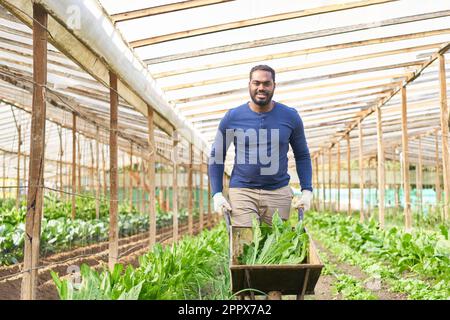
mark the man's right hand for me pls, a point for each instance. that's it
(220, 202)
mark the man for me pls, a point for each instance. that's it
(261, 131)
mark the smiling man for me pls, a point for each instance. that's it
(261, 131)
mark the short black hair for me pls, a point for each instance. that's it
(264, 68)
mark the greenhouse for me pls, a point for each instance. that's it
(110, 113)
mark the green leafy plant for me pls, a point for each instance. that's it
(193, 268)
(276, 244)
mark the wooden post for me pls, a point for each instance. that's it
(444, 134)
(209, 198)
(24, 171)
(19, 144)
(361, 173)
(113, 174)
(190, 191)
(141, 186)
(130, 173)
(151, 175)
(123, 177)
(438, 175)
(349, 173)
(166, 191)
(368, 177)
(74, 164)
(105, 183)
(405, 158)
(330, 205)
(175, 188)
(322, 158)
(419, 178)
(91, 169)
(37, 141)
(4, 176)
(97, 174)
(68, 180)
(396, 196)
(338, 182)
(161, 195)
(201, 192)
(60, 163)
(316, 185)
(381, 167)
(79, 163)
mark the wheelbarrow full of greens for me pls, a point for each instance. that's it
(273, 260)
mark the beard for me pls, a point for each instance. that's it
(260, 101)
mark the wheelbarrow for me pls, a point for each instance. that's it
(272, 280)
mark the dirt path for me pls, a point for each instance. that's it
(381, 290)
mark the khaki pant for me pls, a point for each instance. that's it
(261, 204)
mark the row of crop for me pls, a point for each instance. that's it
(390, 255)
(59, 232)
(193, 268)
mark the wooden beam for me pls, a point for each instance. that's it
(201, 205)
(113, 256)
(308, 51)
(129, 174)
(92, 175)
(438, 175)
(79, 164)
(97, 175)
(167, 8)
(338, 182)
(297, 37)
(19, 144)
(175, 187)
(361, 173)
(74, 164)
(316, 184)
(37, 152)
(322, 158)
(161, 194)
(4, 176)
(243, 92)
(151, 175)
(202, 112)
(330, 205)
(419, 185)
(304, 66)
(444, 133)
(105, 183)
(405, 162)
(349, 176)
(190, 190)
(381, 167)
(363, 114)
(253, 22)
(124, 183)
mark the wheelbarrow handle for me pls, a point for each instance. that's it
(301, 211)
(227, 217)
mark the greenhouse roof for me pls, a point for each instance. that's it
(336, 61)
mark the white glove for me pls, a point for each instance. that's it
(220, 202)
(304, 201)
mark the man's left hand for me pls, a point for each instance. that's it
(304, 201)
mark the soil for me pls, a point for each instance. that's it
(382, 292)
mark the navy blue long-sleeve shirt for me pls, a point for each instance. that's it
(261, 142)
